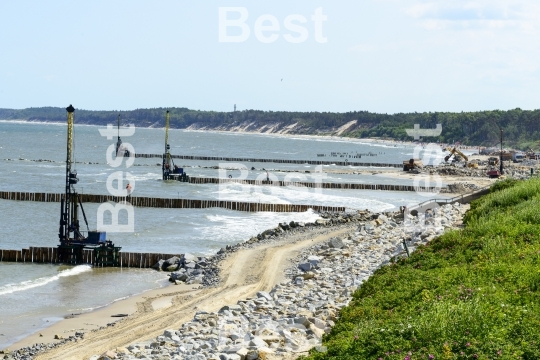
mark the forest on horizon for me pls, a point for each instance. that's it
(521, 128)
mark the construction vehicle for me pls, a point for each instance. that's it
(169, 170)
(411, 164)
(72, 239)
(458, 155)
(472, 165)
(493, 161)
(506, 156)
(494, 173)
(530, 154)
(518, 156)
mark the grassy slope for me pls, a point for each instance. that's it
(473, 293)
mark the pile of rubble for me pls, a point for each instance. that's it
(460, 188)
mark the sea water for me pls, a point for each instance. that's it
(32, 159)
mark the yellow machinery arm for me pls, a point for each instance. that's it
(461, 154)
(455, 151)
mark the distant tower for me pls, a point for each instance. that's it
(234, 107)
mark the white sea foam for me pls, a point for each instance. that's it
(29, 284)
(53, 123)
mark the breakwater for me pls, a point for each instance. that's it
(171, 203)
(341, 186)
(49, 255)
(277, 161)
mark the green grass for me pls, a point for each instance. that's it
(470, 294)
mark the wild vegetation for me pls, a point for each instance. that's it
(473, 293)
(521, 128)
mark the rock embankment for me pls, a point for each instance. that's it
(207, 267)
(190, 269)
(296, 313)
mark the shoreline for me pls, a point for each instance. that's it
(276, 134)
(100, 318)
(148, 302)
(342, 257)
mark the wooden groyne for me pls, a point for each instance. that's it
(49, 255)
(172, 203)
(343, 186)
(277, 161)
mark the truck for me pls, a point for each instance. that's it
(494, 173)
(518, 157)
(493, 161)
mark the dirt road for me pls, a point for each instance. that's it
(244, 273)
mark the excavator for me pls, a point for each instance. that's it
(454, 152)
(458, 155)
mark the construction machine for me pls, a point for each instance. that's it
(530, 154)
(494, 173)
(493, 161)
(169, 170)
(458, 155)
(73, 241)
(411, 164)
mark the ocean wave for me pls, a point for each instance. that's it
(29, 284)
(32, 122)
(37, 122)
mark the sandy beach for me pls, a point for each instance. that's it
(155, 299)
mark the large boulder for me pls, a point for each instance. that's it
(257, 342)
(171, 264)
(285, 226)
(197, 279)
(336, 243)
(194, 272)
(178, 275)
(314, 260)
(169, 333)
(264, 294)
(230, 308)
(159, 265)
(171, 268)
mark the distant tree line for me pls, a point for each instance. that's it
(521, 127)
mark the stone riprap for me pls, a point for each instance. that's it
(296, 313)
(209, 265)
(191, 270)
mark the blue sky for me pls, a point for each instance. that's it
(383, 56)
